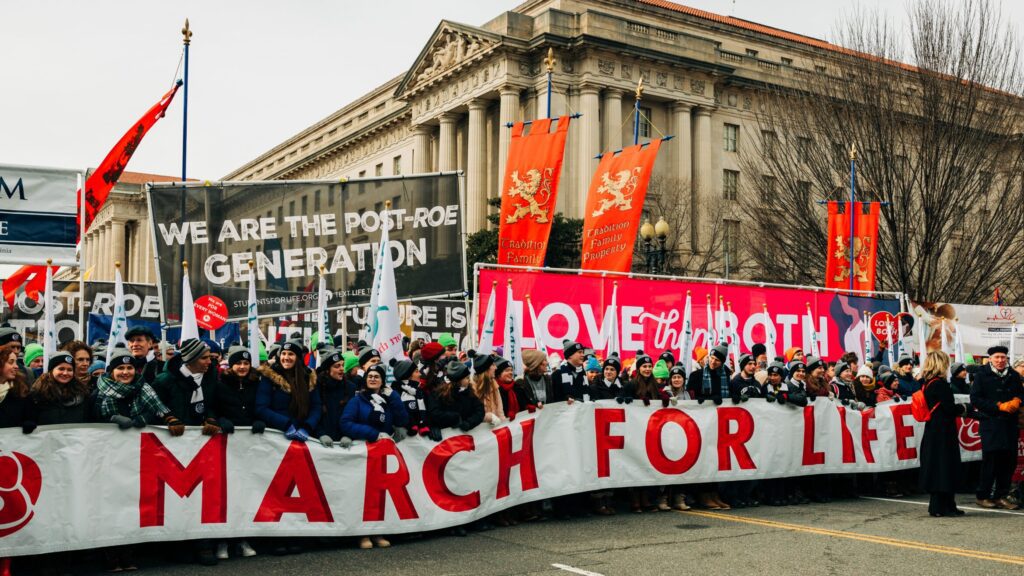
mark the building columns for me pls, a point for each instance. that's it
(588, 146)
(447, 152)
(700, 199)
(476, 168)
(421, 149)
(507, 114)
(612, 119)
(117, 252)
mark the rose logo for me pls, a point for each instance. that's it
(20, 482)
(970, 438)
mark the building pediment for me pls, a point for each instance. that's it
(450, 47)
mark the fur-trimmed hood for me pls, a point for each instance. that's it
(279, 381)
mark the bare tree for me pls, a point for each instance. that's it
(937, 121)
(669, 198)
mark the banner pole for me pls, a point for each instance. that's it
(636, 110)
(853, 211)
(83, 332)
(549, 63)
(186, 34)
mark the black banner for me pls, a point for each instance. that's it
(290, 229)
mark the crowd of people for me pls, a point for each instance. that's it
(352, 396)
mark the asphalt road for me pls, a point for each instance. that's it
(863, 536)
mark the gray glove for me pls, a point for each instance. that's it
(327, 441)
(345, 442)
(139, 422)
(123, 422)
(400, 434)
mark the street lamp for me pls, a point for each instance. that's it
(655, 254)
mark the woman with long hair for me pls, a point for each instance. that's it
(940, 446)
(60, 397)
(82, 354)
(16, 409)
(486, 389)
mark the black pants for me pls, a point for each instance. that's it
(996, 471)
(941, 503)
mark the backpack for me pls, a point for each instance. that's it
(919, 406)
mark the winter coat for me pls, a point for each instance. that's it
(740, 385)
(868, 397)
(523, 394)
(363, 420)
(549, 389)
(274, 396)
(414, 399)
(461, 409)
(816, 387)
(795, 392)
(175, 391)
(960, 386)
(940, 444)
(334, 395)
(907, 385)
(15, 410)
(237, 397)
(604, 390)
(695, 383)
(492, 402)
(76, 410)
(999, 431)
(570, 382)
(841, 390)
(635, 390)
(883, 394)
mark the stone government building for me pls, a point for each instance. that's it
(449, 110)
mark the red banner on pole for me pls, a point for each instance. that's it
(865, 245)
(529, 191)
(614, 204)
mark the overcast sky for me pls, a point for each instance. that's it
(77, 74)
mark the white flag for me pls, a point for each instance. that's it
(890, 350)
(485, 344)
(958, 344)
(119, 321)
(921, 341)
(387, 329)
(50, 328)
(811, 342)
(613, 338)
(686, 350)
(322, 323)
(709, 341)
(732, 340)
(538, 330)
(253, 321)
(513, 340)
(769, 330)
(189, 328)
(868, 351)
(1013, 341)
(720, 324)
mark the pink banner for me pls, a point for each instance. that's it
(650, 312)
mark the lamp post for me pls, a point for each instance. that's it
(655, 253)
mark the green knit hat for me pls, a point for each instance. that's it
(351, 360)
(33, 351)
(447, 340)
(661, 369)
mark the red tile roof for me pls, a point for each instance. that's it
(141, 178)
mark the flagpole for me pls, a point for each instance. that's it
(187, 39)
(549, 63)
(83, 332)
(636, 111)
(853, 198)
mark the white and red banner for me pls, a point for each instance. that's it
(66, 488)
(650, 313)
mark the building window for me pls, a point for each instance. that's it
(803, 188)
(803, 148)
(645, 122)
(730, 184)
(769, 141)
(730, 244)
(396, 165)
(378, 170)
(362, 173)
(787, 61)
(768, 194)
(752, 53)
(819, 68)
(732, 136)
(316, 202)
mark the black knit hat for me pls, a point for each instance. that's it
(677, 369)
(379, 369)
(642, 358)
(191, 349)
(330, 358)
(295, 346)
(613, 361)
(481, 362)
(58, 360)
(366, 354)
(120, 357)
(570, 347)
(403, 369)
(8, 335)
(999, 349)
(237, 354)
(813, 363)
(720, 352)
(668, 357)
(745, 359)
(776, 368)
(796, 365)
(139, 331)
(456, 371)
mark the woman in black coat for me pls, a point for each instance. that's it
(452, 404)
(16, 408)
(940, 447)
(60, 397)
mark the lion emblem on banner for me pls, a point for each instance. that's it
(532, 196)
(618, 189)
(861, 258)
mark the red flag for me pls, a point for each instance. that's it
(98, 186)
(529, 192)
(865, 248)
(614, 204)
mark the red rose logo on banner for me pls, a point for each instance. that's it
(865, 245)
(530, 189)
(20, 482)
(614, 204)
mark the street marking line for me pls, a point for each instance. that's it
(922, 546)
(974, 508)
(576, 570)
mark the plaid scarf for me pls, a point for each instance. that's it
(723, 385)
(144, 401)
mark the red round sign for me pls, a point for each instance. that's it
(211, 312)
